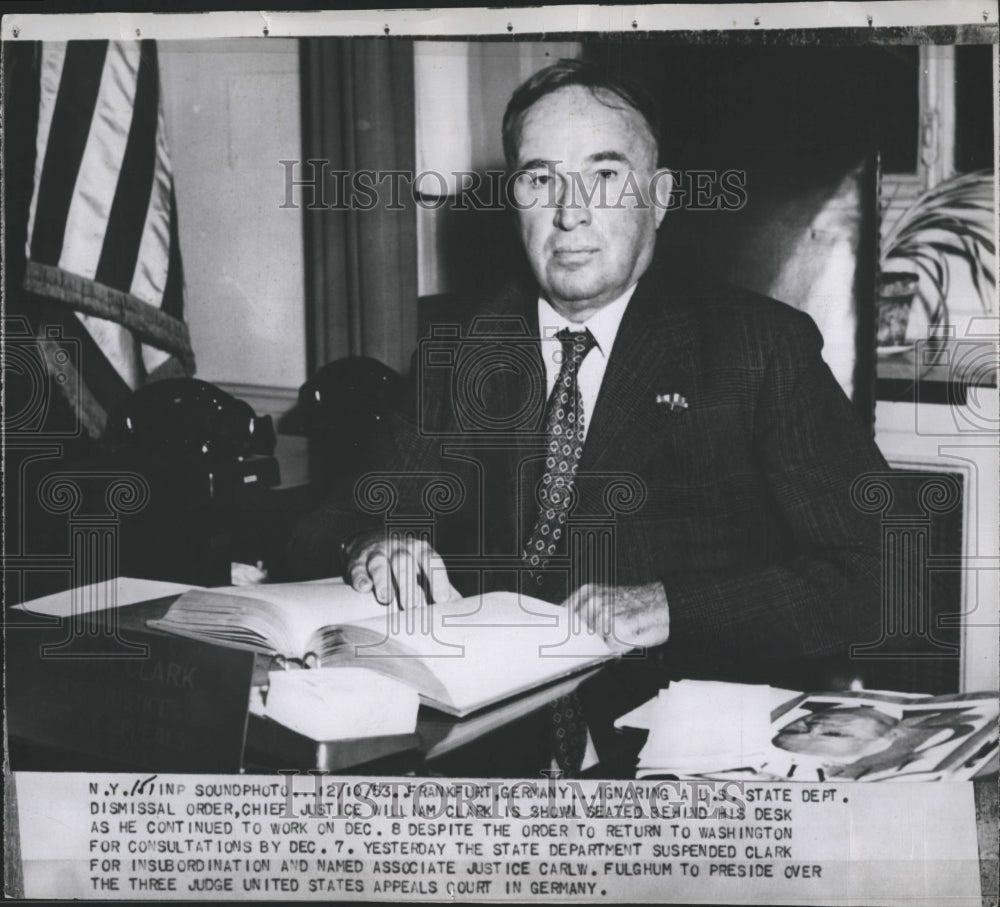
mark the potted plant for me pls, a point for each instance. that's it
(948, 224)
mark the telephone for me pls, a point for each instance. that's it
(344, 409)
(193, 423)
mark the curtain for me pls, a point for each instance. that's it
(361, 265)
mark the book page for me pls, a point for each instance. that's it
(114, 593)
(478, 650)
(314, 604)
(279, 618)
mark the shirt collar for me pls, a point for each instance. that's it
(603, 324)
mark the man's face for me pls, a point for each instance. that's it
(585, 211)
(838, 733)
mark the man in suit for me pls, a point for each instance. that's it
(677, 468)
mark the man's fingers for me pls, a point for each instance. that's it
(406, 576)
(395, 573)
(590, 606)
(360, 580)
(574, 605)
(358, 551)
(382, 585)
(616, 645)
(437, 577)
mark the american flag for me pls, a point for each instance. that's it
(102, 249)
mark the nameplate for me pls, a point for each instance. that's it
(123, 695)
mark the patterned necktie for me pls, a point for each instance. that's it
(565, 429)
(564, 425)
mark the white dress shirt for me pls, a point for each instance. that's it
(604, 325)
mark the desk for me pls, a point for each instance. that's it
(227, 676)
(27, 756)
(118, 701)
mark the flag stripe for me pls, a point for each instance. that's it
(173, 293)
(70, 126)
(87, 219)
(159, 248)
(127, 217)
(152, 359)
(117, 344)
(150, 278)
(53, 57)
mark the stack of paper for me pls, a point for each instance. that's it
(704, 726)
(103, 596)
(340, 703)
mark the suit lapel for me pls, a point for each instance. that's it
(529, 453)
(519, 387)
(655, 352)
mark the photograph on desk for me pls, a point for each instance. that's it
(750, 732)
(594, 394)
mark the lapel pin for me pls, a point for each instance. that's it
(673, 402)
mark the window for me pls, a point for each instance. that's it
(938, 119)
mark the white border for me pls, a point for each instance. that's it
(550, 20)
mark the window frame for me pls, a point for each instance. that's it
(935, 133)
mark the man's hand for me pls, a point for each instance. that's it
(626, 617)
(397, 570)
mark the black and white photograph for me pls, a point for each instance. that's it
(503, 454)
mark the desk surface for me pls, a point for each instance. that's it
(461, 762)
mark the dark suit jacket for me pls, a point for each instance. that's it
(741, 504)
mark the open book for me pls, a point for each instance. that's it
(459, 656)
